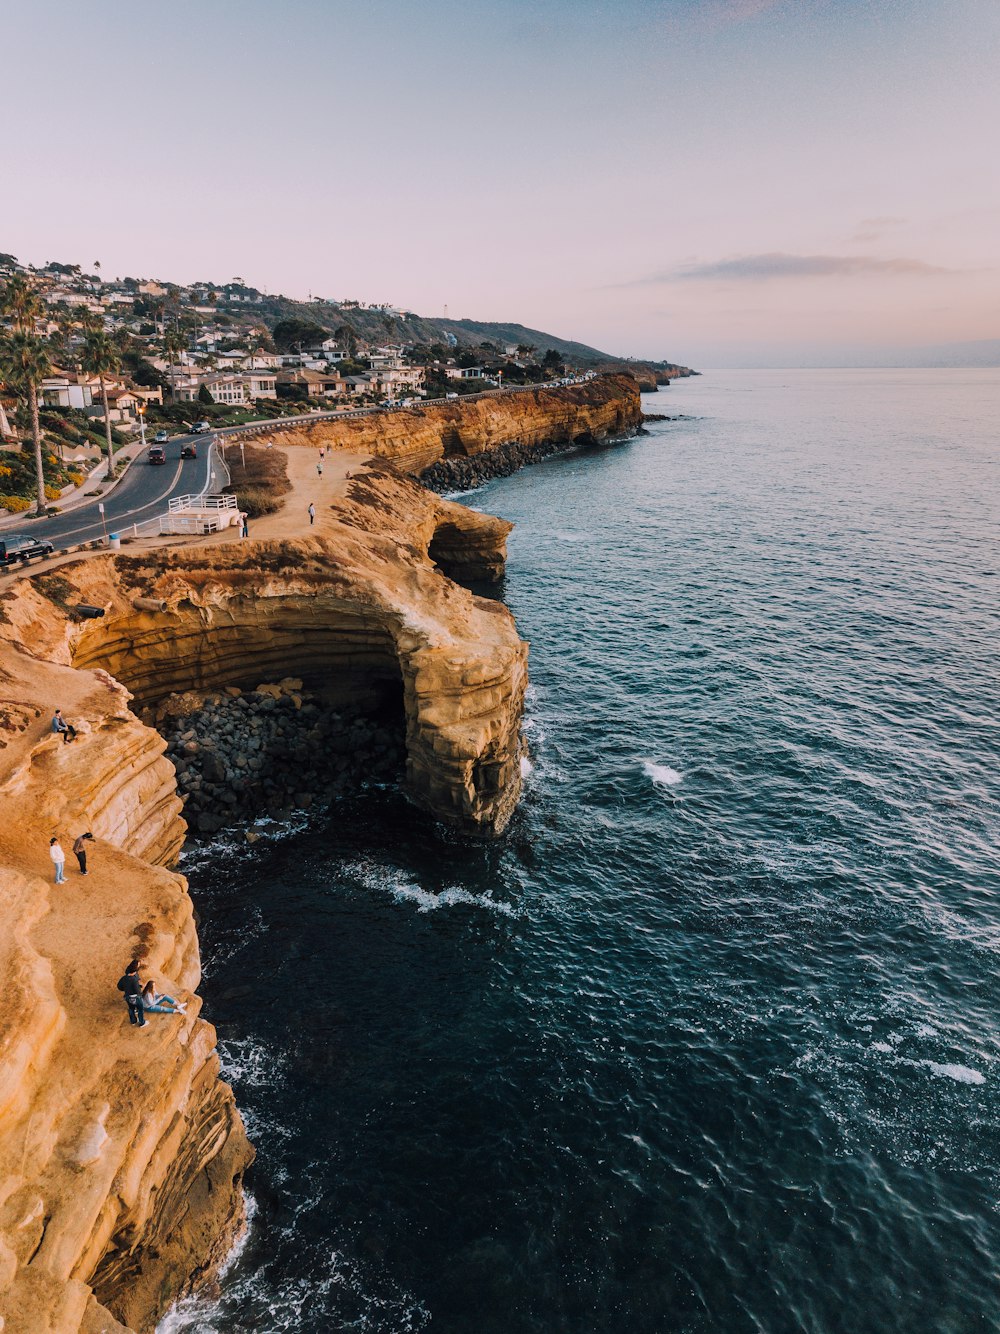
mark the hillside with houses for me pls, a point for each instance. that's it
(87, 362)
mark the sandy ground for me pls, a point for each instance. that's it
(308, 486)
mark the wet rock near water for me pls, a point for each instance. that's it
(460, 474)
(241, 755)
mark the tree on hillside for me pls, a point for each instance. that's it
(24, 363)
(100, 358)
(174, 344)
(291, 335)
(204, 396)
(26, 360)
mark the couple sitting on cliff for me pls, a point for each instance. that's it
(142, 999)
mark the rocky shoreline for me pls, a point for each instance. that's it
(240, 755)
(462, 474)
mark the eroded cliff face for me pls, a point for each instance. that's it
(121, 1150)
(416, 438)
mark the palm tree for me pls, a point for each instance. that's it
(174, 342)
(100, 358)
(21, 303)
(25, 363)
(26, 359)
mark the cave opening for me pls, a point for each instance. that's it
(267, 706)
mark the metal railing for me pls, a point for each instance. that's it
(201, 501)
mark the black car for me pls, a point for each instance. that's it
(156, 454)
(189, 450)
(19, 547)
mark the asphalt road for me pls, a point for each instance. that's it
(142, 494)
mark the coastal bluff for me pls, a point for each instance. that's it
(415, 438)
(122, 1151)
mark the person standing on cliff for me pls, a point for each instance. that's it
(312, 513)
(132, 988)
(58, 860)
(80, 851)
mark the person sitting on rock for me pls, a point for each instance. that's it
(59, 724)
(157, 1003)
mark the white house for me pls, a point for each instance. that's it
(464, 372)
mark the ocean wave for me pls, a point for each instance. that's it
(402, 890)
(963, 1074)
(661, 774)
(250, 1063)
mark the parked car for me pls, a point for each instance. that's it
(156, 454)
(201, 428)
(451, 396)
(161, 437)
(17, 546)
(189, 450)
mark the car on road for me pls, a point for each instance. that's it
(161, 437)
(156, 454)
(20, 547)
(189, 450)
(201, 428)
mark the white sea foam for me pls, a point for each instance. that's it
(964, 1074)
(248, 1062)
(526, 766)
(393, 882)
(404, 892)
(661, 774)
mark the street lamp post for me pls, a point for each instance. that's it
(142, 425)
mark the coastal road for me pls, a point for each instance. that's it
(142, 494)
(145, 490)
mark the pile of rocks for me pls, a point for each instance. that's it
(460, 474)
(269, 751)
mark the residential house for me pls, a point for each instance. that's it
(260, 384)
(464, 372)
(66, 391)
(261, 361)
(401, 381)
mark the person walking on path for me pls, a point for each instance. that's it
(312, 513)
(246, 525)
(60, 725)
(58, 860)
(319, 469)
(132, 988)
(80, 851)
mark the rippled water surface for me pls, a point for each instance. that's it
(709, 1044)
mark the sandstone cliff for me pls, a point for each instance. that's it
(417, 437)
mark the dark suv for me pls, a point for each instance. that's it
(156, 454)
(19, 547)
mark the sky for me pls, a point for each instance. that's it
(715, 182)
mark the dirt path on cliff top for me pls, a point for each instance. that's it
(308, 487)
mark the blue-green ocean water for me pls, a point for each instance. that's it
(710, 1043)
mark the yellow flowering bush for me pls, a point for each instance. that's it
(76, 478)
(4, 470)
(16, 504)
(52, 492)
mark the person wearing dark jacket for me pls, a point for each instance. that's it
(62, 728)
(132, 988)
(80, 849)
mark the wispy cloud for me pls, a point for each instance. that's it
(776, 265)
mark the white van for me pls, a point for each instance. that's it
(201, 428)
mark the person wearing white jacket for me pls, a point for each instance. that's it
(58, 860)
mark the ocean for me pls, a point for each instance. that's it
(709, 1043)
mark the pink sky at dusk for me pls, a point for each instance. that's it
(733, 182)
